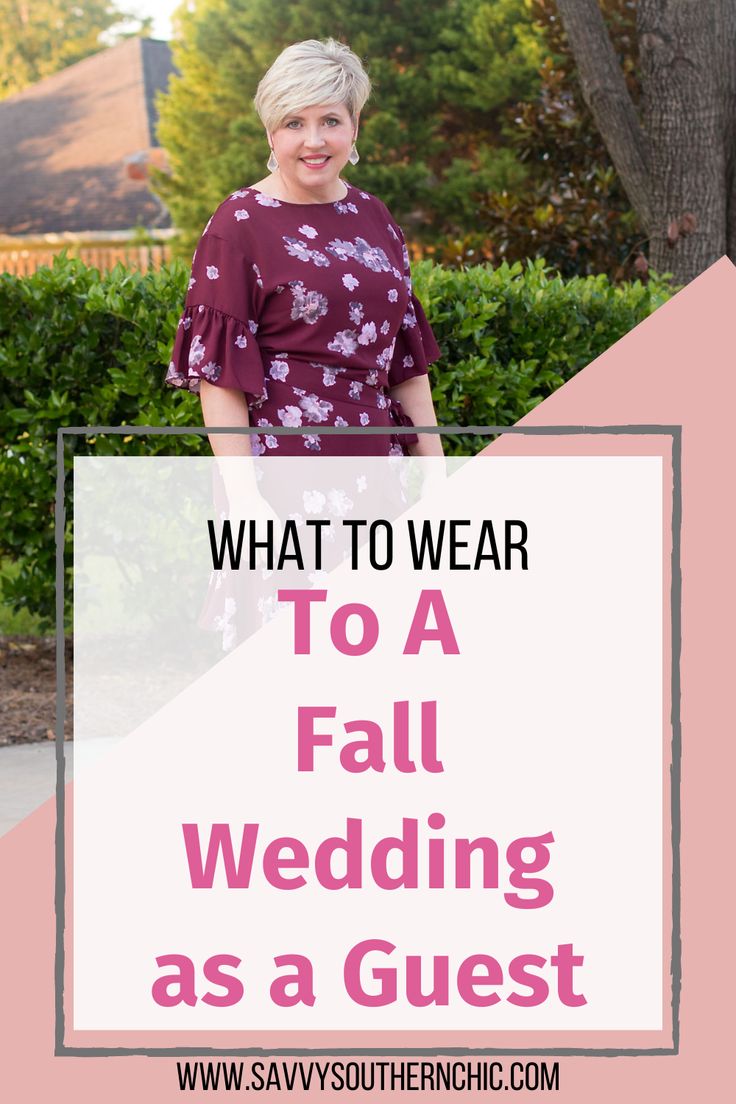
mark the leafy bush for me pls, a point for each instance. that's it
(510, 336)
(75, 349)
(81, 349)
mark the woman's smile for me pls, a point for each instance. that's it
(312, 148)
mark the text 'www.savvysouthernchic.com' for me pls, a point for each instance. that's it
(378, 1076)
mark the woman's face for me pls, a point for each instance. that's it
(312, 148)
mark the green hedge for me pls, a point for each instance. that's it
(78, 348)
(510, 336)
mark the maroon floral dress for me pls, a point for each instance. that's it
(308, 309)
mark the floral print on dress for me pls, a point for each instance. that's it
(409, 320)
(299, 249)
(211, 371)
(341, 249)
(368, 334)
(262, 398)
(370, 256)
(290, 416)
(313, 501)
(384, 359)
(340, 354)
(224, 623)
(309, 306)
(315, 409)
(279, 370)
(329, 375)
(345, 343)
(196, 351)
(338, 503)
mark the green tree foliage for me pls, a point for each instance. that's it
(442, 73)
(39, 37)
(571, 209)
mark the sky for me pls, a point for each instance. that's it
(160, 10)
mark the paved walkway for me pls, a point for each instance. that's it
(27, 779)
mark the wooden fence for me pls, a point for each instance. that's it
(23, 262)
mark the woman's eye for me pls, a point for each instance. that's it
(293, 124)
(333, 122)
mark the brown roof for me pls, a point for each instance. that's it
(64, 143)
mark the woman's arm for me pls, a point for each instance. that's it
(416, 398)
(224, 406)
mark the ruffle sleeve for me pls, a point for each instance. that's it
(416, 347)
(216, 338)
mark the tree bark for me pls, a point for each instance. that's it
(684, 118)
(605, 92)
(726, 63)
(679, 169)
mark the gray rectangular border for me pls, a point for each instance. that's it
(672, 431)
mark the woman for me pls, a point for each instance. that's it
(300, 310)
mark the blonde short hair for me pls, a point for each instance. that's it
(310, 73)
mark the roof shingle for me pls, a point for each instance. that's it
(64, 141)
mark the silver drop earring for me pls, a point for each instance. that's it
(354, 156)
(272, 164)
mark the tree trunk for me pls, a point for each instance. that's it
(605, 92)
(685, 124)
(726, 57)
(678, 171)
